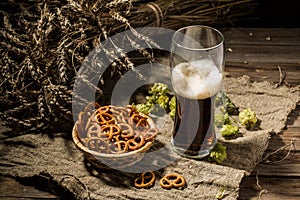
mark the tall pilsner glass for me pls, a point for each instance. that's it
(197, 63)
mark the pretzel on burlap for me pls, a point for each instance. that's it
(172, 181)
(146, 180)
(122, 128)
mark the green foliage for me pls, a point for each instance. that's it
(221, 119)
(217, 154)
(228, 130)
(227, 104)
(247, 118)
(172, 106)
(160, 98)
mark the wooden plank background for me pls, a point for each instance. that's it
(259, 53)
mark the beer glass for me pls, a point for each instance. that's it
(197, 63)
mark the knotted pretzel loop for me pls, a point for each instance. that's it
(126, 131)
(98, 145)
(94, 130)
(172, 181)
(131, 110)
(150, 134)
(103, 109)
(146, 180)
(110, 130)
(104, 118)
(139, 121)
(136, 142)
(120, 114)
(119, 147)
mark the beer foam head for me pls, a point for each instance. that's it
(198, 79)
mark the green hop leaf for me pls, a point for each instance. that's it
(159, 88)
(226, 102)
(172, 106)
(143, 108)
(218, 154)
(163, 101)
(221, 119)
(247, 118)
(228, 130)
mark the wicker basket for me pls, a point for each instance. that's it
(116, 161)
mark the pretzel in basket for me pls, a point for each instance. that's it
(94, 130)
(127, 131)
(98, 144)
(123, 129)
(150, 134)
(172, 181)
(139, 121)
(119, 147)
(104, 109)
(104, 118)
(146, 180)
(110, 130)
(136, 142)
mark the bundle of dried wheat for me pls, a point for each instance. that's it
(43, 44)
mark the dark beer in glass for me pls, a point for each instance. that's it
(196, 72)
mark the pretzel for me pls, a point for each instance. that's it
(104, 118)
(110, 130)
(94, 130)
(126, 131)
(172, 181)
(119, 147)
(150, 134)
(146, 180)
(131, 110)
(103, 109)
(139, 121)
(136, 142)
(98, 144)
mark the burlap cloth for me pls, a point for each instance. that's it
(57, 161)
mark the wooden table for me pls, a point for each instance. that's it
(263, 54)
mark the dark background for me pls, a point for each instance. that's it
(274, 13)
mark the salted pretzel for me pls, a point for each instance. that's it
(126, 131)
(172, 181)
(150, 134)
(119, 147)
(98, 144)
(94, 130)
(104, 109)
(104, 118)
(136, 142)
(146, 180)
(121, 114)
(138, 121)
(110, 130)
